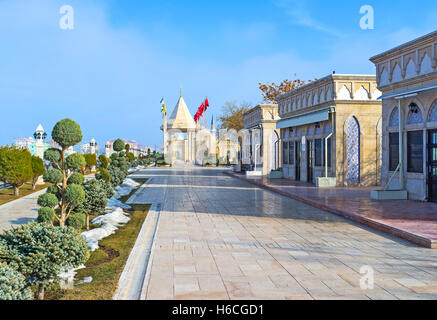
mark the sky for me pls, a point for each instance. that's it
(110, 72)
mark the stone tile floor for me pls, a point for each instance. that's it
(412, 220)
(222, 238)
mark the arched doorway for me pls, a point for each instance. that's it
(353, 175)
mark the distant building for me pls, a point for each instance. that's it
(331, 131)
(260, 139)
(188, 141)
(109, 150)
(30, 144)
(90, 147)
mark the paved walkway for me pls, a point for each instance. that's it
(20, 211)
(222, 238)
(412, 220)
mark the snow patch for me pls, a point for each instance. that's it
(67, 278)
(109, 222)
(125, 188)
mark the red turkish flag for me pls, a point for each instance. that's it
(206, 103)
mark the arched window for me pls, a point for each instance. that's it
(414, 114)
(433, 112)
(353, 150)
(394, 118)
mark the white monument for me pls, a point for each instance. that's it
(186, 141)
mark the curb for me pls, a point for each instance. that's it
(422, 241)
(131, 282)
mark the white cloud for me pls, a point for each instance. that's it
(301, 15)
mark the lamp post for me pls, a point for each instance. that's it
(93, 145)
(39, 136)
(108, 149)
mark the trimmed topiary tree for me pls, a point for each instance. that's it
(97, 193)
(118, 145)
(130, 156)
(104, 162)
(76, 178)
(117, 175)
(104, 175)
(46, 215)
(38, 170)
(76, 220)
(40, 252)
(13, 285)
(15, 167)
(91, 161)
(75, 162)
(48, 200)
(66, 133)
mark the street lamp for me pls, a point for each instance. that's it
(40, 135)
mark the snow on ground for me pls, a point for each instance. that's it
(67, 278)
(125, 188)
(113, 218)
(109, 222)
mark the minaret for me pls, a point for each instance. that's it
(165, 132)
(213, 139)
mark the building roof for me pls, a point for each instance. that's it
(329, 78)
(428, 38)
(181, 117)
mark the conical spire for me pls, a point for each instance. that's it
(181, 117)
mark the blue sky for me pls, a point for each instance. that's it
(110, 72)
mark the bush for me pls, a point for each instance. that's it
(96, 197)
(38, 170)
(67, 133)
(117, 175)
(46, 215)
(53, 176)
(76, 178)
(53, 155)
(75, 162)
(48, 200)
(55, 191)
(118, 145)
(108, 189)
(104, 162)
(76, 220)
(74, 195)
(13, 284)
(130, 156)
(90, 159)
(104, 175)
(40, 252)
